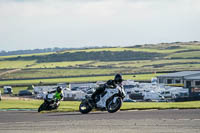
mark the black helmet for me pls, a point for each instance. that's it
(59, 89)
(118, 78)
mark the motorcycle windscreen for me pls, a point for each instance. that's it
(50, 96)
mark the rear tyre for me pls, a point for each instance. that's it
(113, 107)
(84, 107)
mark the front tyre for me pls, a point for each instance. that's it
(84, 107)
(114, 105)
(42, 107)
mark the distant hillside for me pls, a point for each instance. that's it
(140, 59)
(161, 46)
(177, 50)
(35, 51)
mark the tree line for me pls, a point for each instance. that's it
(98, 55)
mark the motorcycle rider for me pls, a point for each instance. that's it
(52, 102)
(109, 84)
(58, 94)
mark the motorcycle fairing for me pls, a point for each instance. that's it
(103, 99)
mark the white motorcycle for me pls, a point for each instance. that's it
(110, 100)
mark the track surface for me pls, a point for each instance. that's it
(150, 121)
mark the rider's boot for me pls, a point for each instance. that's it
(92, 102)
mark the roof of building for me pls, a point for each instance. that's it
(193, 78)
(181, 74)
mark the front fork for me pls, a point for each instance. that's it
(115, 99)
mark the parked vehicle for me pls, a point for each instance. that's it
(49, 103)
(136, 96)
(167, 94)
(25, 93)
(154, 81)
(152, 96)
(8, 90)
(110, 100)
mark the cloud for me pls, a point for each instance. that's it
(93, 7)
(47, 22)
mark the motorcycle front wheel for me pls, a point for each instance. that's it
(112, 106)
(42, 107)
(84, 107)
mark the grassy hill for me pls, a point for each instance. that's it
(139, 59)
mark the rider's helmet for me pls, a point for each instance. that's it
(118, 79)
(59, 89)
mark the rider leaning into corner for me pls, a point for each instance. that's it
(58, 94)
(109, 84)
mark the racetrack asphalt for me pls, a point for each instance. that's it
(147, 121)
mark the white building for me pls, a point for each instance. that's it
(186, 78)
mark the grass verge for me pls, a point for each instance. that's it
(161, 105)
(72, 106)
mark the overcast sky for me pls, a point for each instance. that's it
(30, 24)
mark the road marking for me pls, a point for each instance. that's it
(181, 119)
(184, 119)
(150, 110)
(130, 110)
(196, 119)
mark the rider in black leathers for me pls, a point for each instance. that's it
(109, 84)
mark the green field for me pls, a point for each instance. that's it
(60, 64)
(31, 73)
(15, 64)
(175, 57)
(74, 105)
(161, 105)
(186, 54)
(34, 104)
(96, 64)
(97, 67)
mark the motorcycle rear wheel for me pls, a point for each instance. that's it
(84, 107)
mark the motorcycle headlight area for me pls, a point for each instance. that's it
(50, 96)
